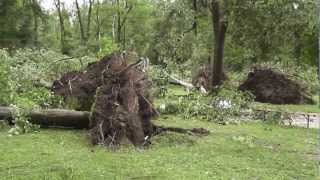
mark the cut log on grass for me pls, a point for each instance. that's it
(52, 117)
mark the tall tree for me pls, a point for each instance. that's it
(98, 21)
(82, 35)
(84, 32)
(219, 26)
(19, 23)
(195, 18)
(62, 26)
(121, 20)
(91, 2)
(37, 13)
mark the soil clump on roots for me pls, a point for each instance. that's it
(271, 86)
(80, 86)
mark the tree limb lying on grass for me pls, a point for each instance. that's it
(187, 85)
(80, 120)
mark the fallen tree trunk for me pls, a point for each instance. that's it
(177, 81)
(52, 117)
(189, 86)
(79, 120)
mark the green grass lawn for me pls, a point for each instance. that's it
(247, 151)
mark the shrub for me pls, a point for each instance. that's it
(21, 121)
(160, 81)
(107, 47)
(230, 102)
(25, 81)
(28, 74)
(221, 107)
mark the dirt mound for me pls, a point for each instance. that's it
(270, 86)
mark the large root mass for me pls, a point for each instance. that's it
(270, 86)
(121, 106)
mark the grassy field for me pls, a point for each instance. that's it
(247, 151)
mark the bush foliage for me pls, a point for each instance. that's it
(221, 107)
(25, 81)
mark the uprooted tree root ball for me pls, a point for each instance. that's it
(270, 86)
(122, 108)
(81, 86)
(202, 77)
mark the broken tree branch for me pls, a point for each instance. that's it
(177, 81)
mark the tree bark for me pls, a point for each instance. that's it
(219, 29)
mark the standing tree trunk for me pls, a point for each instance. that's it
(98, 22)
(195, 18)
(82, 36)
(114, 19)
(62, 29)
(121, 23)
(35, 29)
(36, 14)
(123, 27)
(297, 46)
(118, 33)
(219, 29)
(89, 19)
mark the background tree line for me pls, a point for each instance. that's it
(229, 33)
